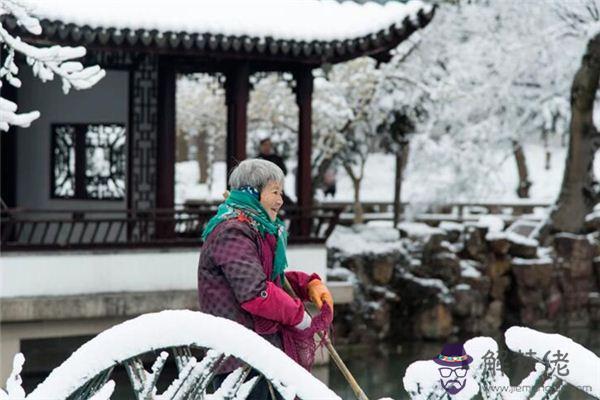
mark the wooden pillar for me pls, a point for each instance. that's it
(304, 89)
(237, 89)
(8, 155)
(165, 171)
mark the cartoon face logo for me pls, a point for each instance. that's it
(453, 379)
(454, 364)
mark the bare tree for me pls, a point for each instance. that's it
(579, 191)
(524, 182)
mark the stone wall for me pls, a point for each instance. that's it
(461, 281)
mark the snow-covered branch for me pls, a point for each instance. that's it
(45, 62)
(579, 17)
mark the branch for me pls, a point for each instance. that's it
(45, 63)
(8, 115)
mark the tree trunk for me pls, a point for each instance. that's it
(578, 193)
(547, 153)
(524, 183)
(202, 157)
(356, 181)
(358, 209)
(181, 153)
(401, 158)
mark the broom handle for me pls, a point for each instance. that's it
(358, 392)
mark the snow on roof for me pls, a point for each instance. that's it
(303, 20)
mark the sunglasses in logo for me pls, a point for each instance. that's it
(447, 372)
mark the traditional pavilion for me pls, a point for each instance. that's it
(143, 45)
(95, 173)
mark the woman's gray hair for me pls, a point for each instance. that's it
(256, 173)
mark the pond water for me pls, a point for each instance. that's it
(378, 369)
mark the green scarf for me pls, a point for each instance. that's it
(240, 202)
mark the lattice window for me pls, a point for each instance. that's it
(63, 168)
(88, 161)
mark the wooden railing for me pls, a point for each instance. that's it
(433, 215)
(23, 229)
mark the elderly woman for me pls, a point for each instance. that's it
(241, 270)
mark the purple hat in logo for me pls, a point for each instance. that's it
(453, 355)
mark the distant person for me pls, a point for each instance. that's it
(329, 183)
(266, 152)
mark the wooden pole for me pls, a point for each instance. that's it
(237, 89)
(304, 89)
(358, 392)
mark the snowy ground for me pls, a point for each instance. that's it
(378, 183)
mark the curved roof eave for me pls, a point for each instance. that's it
(226, 46)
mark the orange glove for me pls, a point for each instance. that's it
(318, 293)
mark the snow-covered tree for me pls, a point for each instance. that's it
(201, 120)
(273, 113)
(331, 116)
(355, 85)
(46, 63)
(483, 70)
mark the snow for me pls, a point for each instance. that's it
(105, 392)
(581, 361)
(491, 222)
(378, 182)
(444, 294)
(361, 241)
(467, 269)
(178, 328)
(45, 62)
(418, 229)
(462, 286)
(380, 231)
(592, 216)
(450, 226)
(572, 236)
(14, 388)
(281, 19)
(341, 274)
(532, 261)
(511, 237)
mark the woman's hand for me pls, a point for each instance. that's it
(318, 293)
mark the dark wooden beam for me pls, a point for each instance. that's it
(237, 88)
(165, 157)
(304, 89)
(8, 156)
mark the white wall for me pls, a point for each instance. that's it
(107, 101)
(68, 273)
